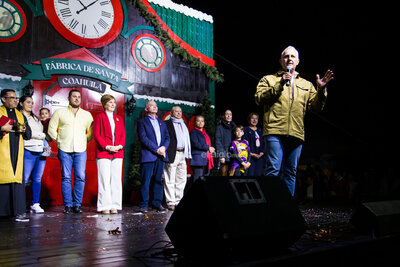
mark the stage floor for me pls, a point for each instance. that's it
(131, 238)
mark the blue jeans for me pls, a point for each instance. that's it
(148, 169)
(34, 165)
(78, 162)
(283, 150)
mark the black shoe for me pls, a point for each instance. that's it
(77, 209)
(160, 208)
(68, 210)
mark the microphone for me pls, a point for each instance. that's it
(289, 69)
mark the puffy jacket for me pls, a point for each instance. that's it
(285, 106)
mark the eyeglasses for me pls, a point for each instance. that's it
(12, 97)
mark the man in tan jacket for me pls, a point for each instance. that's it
(286, 97)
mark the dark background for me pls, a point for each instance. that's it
(357, 40)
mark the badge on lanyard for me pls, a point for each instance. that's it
(257, 139)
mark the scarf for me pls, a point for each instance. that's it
(182, 134)
(210, 161)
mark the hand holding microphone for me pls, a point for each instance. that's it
(288, 75)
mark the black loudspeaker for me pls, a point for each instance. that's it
(380, 218)
(236, 217)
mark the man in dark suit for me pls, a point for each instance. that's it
(154, 137)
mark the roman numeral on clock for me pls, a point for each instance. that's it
(83, 30)
(95, 29)
(64, 2)
(73, 23)
(102, 23)
(65, 12)
(106, 14)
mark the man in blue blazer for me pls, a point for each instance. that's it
(154, 137)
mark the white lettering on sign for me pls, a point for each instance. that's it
(75, 67)
(62, 66)
(77, 81)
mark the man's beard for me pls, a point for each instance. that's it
(74, 105)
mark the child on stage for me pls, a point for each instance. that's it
(240, 152)
(44, 114)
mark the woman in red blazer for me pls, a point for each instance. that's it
(109, 134)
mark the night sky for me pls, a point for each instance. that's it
(357, 40)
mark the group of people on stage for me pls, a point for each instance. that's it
(166, 146)
(25, 145)
(240, 150)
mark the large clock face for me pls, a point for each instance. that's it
(89, 23)
(12, 21)
(89, 19)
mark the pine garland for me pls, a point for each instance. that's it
(211, 72)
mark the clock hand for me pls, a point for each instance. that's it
(84, 7)
(79, 11)
(82, 4)
(92, 3)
